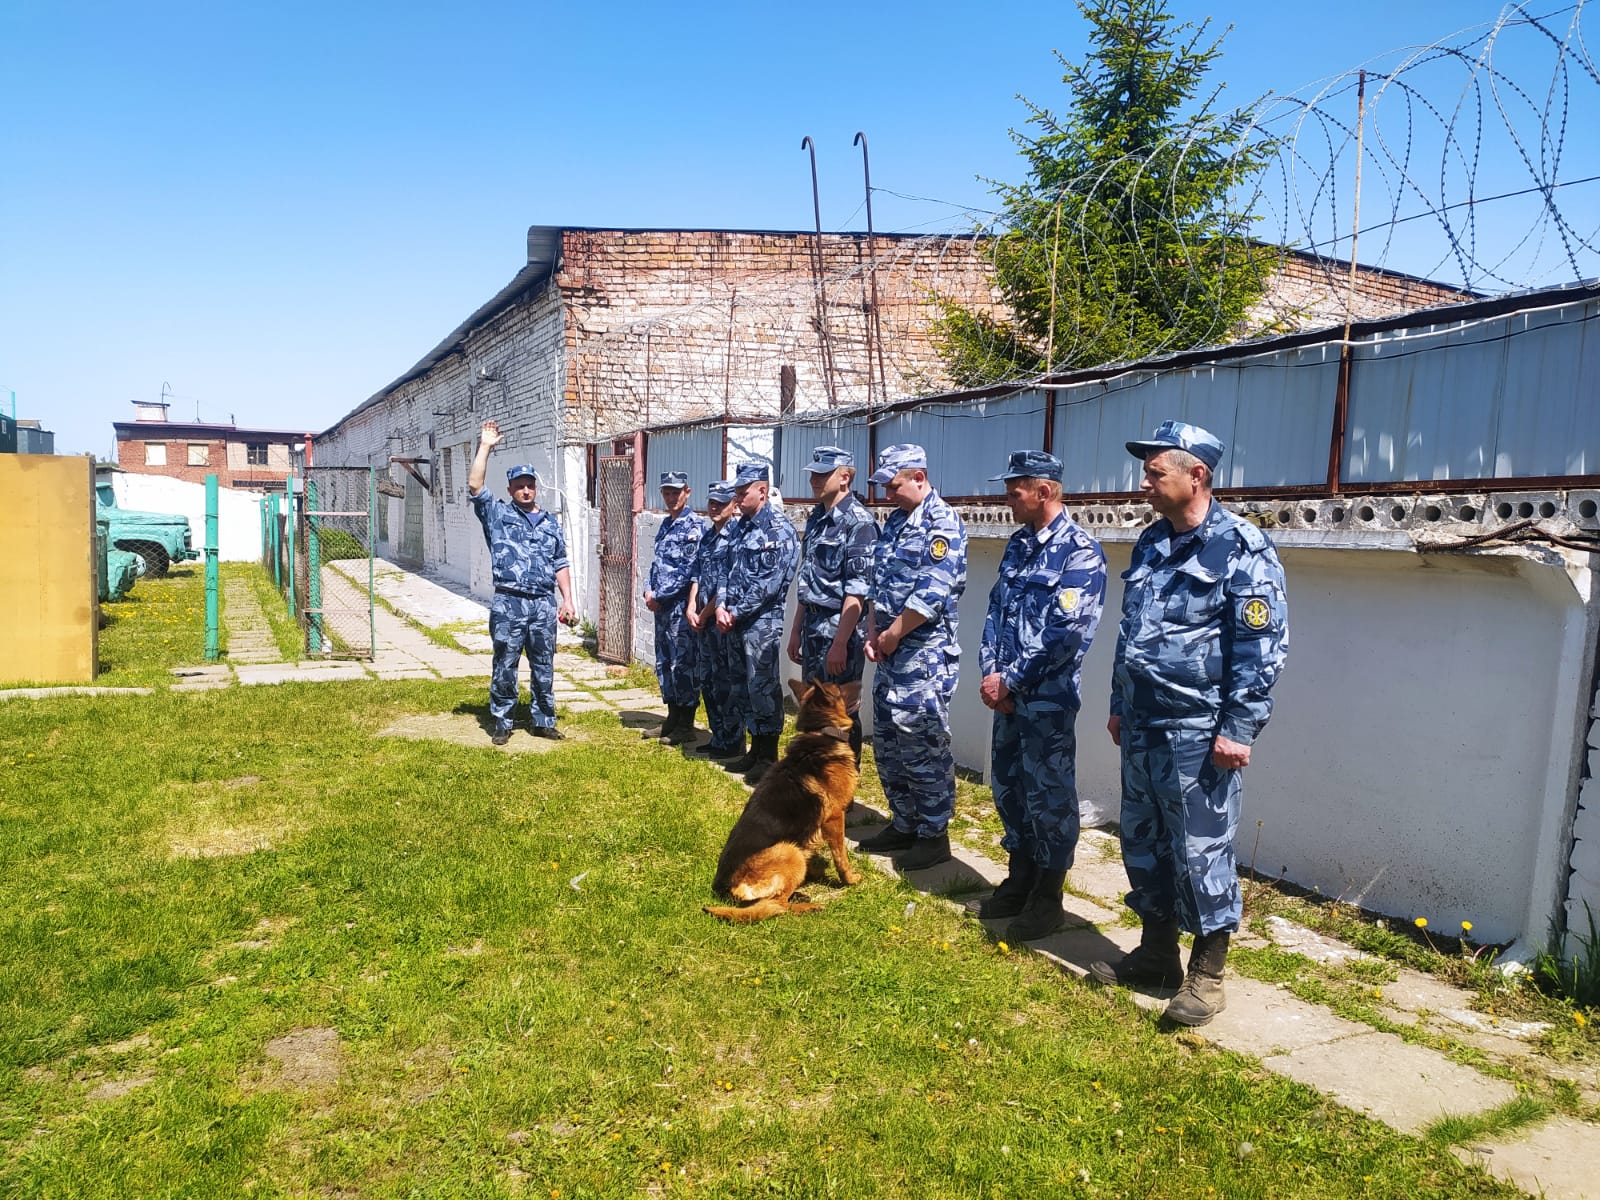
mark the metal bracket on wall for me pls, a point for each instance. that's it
(410, 464)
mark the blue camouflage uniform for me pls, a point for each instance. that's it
(1205, 628)
(920, 564)
(677, 547)
(720, 685)
(527, 550)
(761, 567)
(1043, 611)
(836, 560)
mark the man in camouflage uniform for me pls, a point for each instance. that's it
(1205, 626)
(829, 638)
(529, 555)
(666, 594)
(1043, 611)
(722, 689)
(760, 569)
(919, 573)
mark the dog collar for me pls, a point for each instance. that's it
(833, 731)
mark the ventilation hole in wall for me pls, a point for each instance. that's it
(1433, 512)
(1148, 517)
(1398, 512)
(1308, 515)
(1502, 510)
(1365, 512)
(1586, 509)
(1285, 516)
(1547, 509)
(1337, 514)
(1524, 509)
(1467, 513)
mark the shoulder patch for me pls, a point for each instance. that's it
(938, 548)
(1068, 599)
(1255, 613)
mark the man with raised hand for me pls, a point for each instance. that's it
(1043, 611)
(720, 685)
(529, 556)
(1205, 627)
(836, 551)
(919, 573)
(760, 569)
(666, 594)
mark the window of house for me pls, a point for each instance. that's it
(255, 454)
(155, 454)
(199, 454)
(449, 476)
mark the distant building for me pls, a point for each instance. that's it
(240, 457)
(25, 437)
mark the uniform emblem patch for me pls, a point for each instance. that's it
(938, 548)
(1068, 599)
(1256, 612)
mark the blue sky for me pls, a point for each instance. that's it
(276, 209)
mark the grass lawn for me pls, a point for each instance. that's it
(249, 947)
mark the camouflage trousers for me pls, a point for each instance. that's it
(1180, 813)
(757, 650)
(911, 735)
(1033, 774)
(677, 656)
(518, 624)
(722, 691)
(818, 627)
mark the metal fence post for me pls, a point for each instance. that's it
(213, 651)
(372, 538)
(316, 632)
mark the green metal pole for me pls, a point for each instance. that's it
(213, 650)
(293, 608)
(318, 632)
(372, 540)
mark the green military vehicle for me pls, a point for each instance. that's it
(158, 539)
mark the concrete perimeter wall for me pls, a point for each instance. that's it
(47, 569)
(238, 512)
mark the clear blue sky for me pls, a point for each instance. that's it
(277, 208)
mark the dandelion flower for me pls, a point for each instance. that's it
(1421, 922)
(1466, 927)
(1004, 949)
(1579, 1018)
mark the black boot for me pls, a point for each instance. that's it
(1155, 962)
(749, 759)
(1008, 899)
(1043, 913)
(855, 737)
(1201, 998)
(655, 733)
(926, 852)
(888, 840)
(734, 749)
(684, 730)
(765, 749)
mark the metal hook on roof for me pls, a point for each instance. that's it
(816, 273)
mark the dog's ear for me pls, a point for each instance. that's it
(800, 689)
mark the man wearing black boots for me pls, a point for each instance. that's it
(677, 548)
(1043, 611)
(829, 638)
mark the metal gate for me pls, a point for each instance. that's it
(410, 548)
(337, 610)
(615, 486)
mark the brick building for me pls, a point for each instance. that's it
(604, 332)
(254, 459)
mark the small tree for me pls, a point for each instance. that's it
(1122, 241)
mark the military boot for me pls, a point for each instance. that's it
(1044, 912)
(1201, 997)
(1155, 962)
(925, 852)
(749, 759)
(684, 731)
(887, 840)
(856, 737)
(652, 733)
(734, 749)
(1008, 899)
(765, 749)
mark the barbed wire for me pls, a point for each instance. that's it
(1471, 184)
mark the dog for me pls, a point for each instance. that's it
(796, 809)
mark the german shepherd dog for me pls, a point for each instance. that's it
(796, 809)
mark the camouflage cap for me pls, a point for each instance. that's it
(675, 479)
(521, 469)
(755, 471)
(904, 457)
(829, 458)
(1179, 435)
(1030, 464)
(721, 491)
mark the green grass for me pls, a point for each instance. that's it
(286, 633)
(502, 1031)
(159, 625)
(1496, 1123)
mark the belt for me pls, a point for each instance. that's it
(817, 608)
(521, 595)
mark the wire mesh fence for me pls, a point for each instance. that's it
(317, 548)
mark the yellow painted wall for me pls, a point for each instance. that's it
(49, 611)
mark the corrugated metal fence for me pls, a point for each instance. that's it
(1489, 398)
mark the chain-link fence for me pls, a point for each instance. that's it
(317, 547)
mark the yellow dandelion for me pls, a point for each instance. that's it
(1421, 922)
(1579, 1018)
(1466, 927)
(1004, 949)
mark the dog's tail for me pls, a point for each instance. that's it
(760, 910)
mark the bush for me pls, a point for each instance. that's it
(337, 544)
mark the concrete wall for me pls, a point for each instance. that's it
(47, 569)
(238, 512)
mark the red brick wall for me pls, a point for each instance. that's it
(131, 457)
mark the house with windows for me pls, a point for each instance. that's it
(240, 457)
